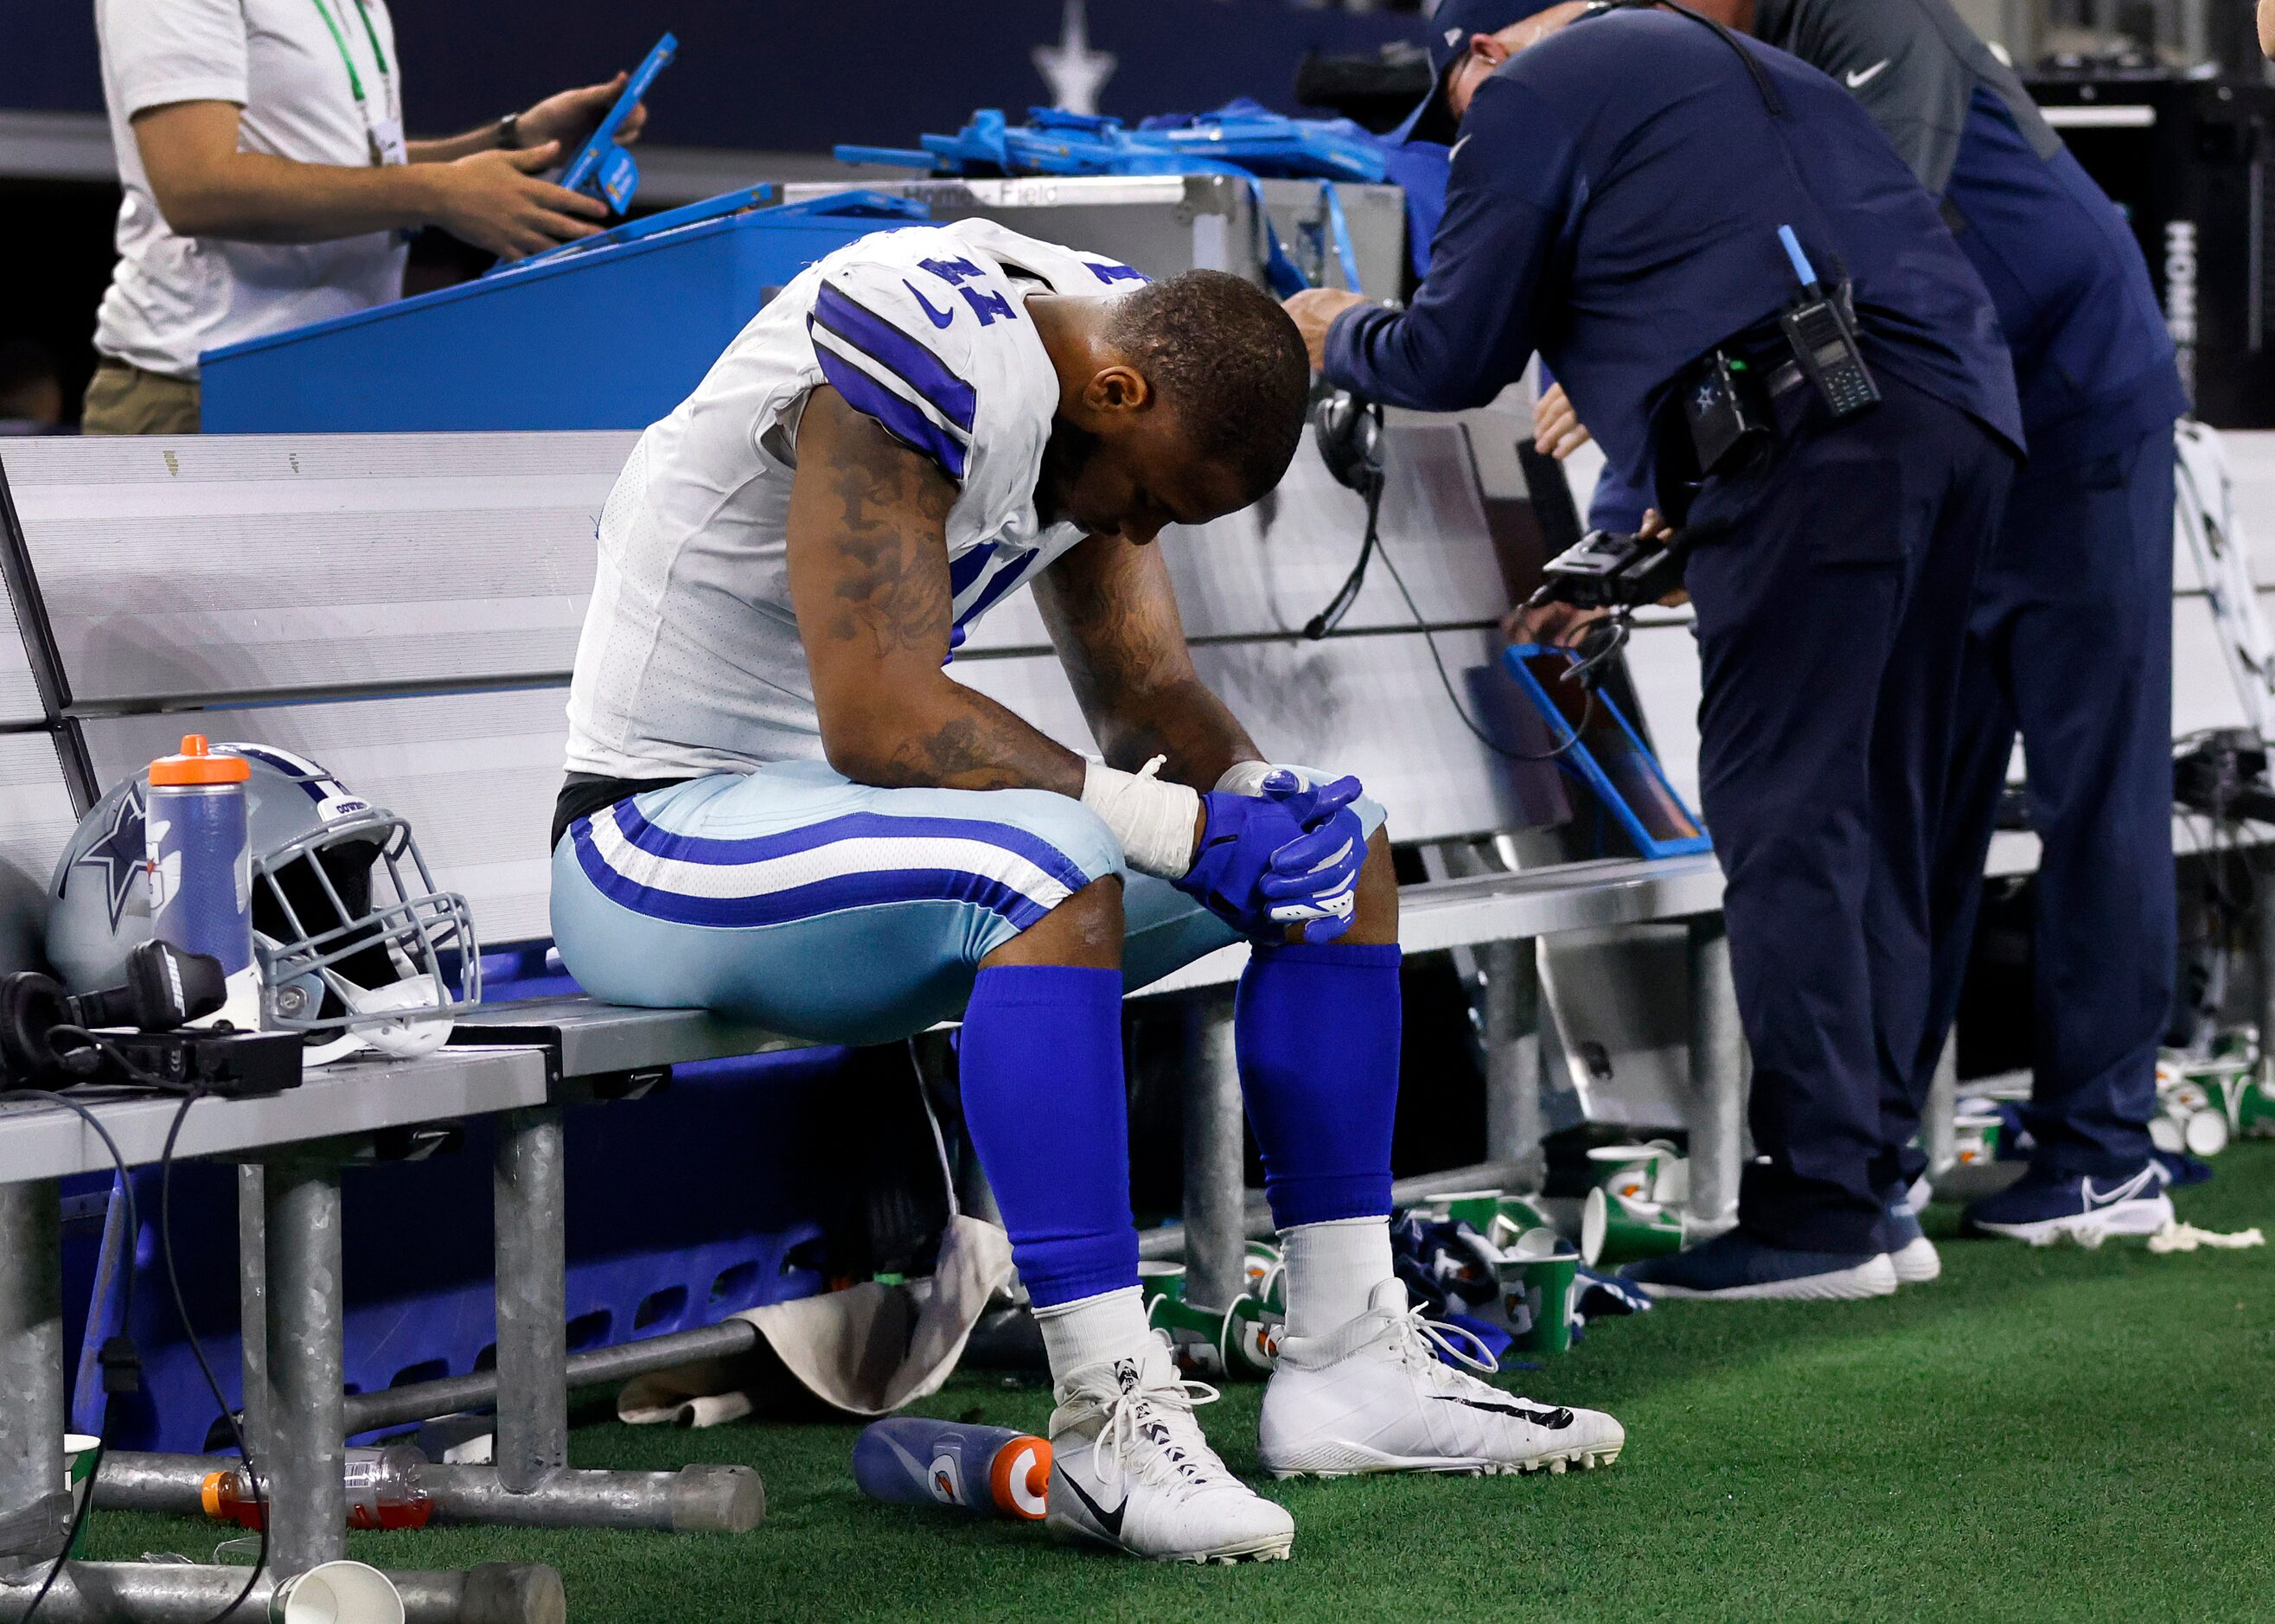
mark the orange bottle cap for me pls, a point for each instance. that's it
(1019, 1479)
(210, 1493)
(198, 765)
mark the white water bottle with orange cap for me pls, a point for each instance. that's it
(198, 839)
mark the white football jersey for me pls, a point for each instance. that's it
(690, 661)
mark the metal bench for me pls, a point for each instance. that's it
(54, 748)
(297, 1395)
(425, 661)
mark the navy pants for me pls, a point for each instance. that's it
(1833, 602)
(2072, 639)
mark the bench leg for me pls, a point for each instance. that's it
(531, 1483)
(1939, 1119)
(260, 1400)
(530, 1202)
(1216, 1270)
(1718, 1088)
(2263, 872)
(305, 1467)
(35, 1509)
(1512, 991)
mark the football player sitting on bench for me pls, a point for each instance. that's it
(780, 806)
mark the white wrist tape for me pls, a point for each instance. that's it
(1247, 777)
(1153, 820)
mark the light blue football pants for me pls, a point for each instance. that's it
(835, 911)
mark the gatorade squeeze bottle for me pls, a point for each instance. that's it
(908, 1461)
(199, 849)
(383, 1486)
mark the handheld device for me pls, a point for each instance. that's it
(1608, 571)
(600, 168)
(1824, 338)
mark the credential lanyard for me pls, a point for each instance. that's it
(385, 132)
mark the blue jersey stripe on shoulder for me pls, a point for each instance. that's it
(898, 417)
(889, 347)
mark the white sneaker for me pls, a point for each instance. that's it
(2043, 1207)
(1375, 1397)
(1131, 1468)
(1917, 1262)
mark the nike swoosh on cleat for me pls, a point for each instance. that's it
(1553, 1419)
(938, 318)
(1110, 1520)
(1866, 76)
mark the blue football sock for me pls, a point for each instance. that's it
(1043, 1098)
(1316, 1027)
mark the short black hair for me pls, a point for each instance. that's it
(1229, 361)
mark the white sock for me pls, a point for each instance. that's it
(1109, 1326)
(1333, 1268)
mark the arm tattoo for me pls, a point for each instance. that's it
(870, 584)
(888, 505)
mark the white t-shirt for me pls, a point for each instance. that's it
(690, 663)
(171, 296)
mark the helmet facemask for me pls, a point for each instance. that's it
(354, 953)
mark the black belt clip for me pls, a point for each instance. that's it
(1726, 407)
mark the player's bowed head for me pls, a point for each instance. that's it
(1179, 402)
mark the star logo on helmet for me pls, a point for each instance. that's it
(121, 854)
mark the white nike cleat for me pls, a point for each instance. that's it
(1374, 1397)
(1131, 1468)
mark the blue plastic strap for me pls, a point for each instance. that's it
(900, 157)
(1284, 276)
(1339, 235)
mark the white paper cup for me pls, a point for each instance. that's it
(337, 1593)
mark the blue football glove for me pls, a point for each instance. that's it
(1239, 835)
(1261, 869)
(1313, 881)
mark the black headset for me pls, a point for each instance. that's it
(48, 1036)
(1349, 431)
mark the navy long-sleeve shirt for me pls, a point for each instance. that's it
(2093, 363)
(1613, 203)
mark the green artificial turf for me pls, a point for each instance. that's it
(2056, 1434)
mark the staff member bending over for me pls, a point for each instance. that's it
(780, 806)
(2071, 633)
(1617, 187)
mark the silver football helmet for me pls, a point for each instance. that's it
(357, 949)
